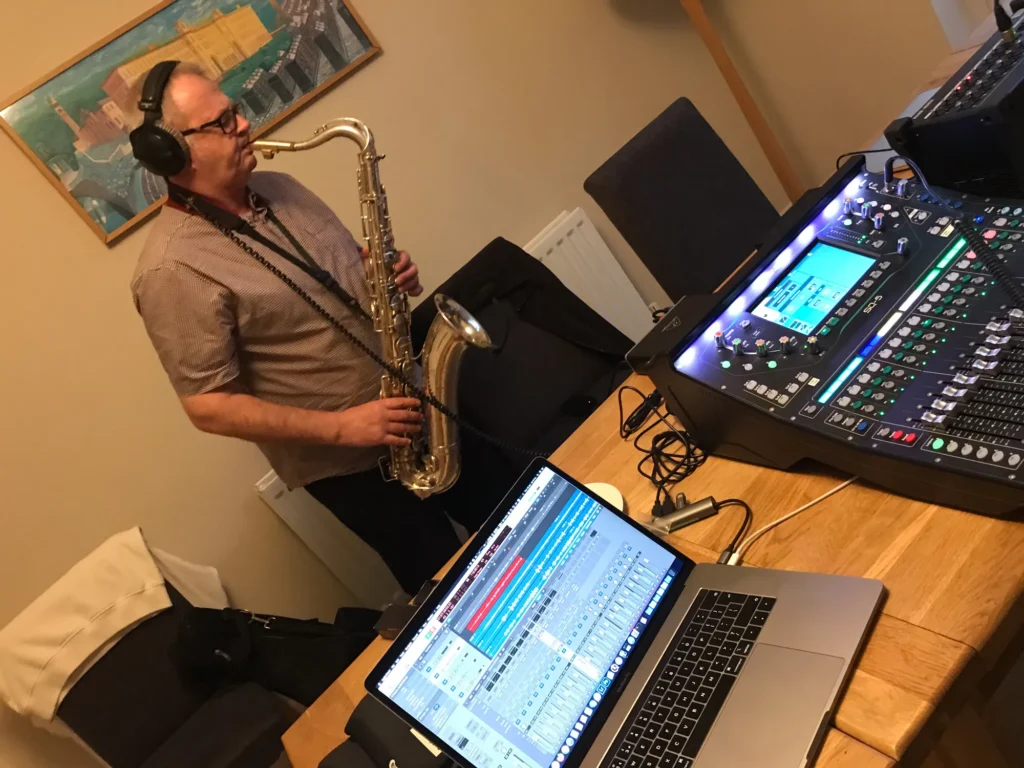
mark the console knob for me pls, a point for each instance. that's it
(865, 211)
(879, 221)
(737, 346)
(762, 348)
(902, 246)
(901, 187)
(813, 346)
(786, 343)
(719, 339)
(848, 206)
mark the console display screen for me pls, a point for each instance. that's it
(813, 287)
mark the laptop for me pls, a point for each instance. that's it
(567, 635)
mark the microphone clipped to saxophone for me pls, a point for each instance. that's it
(431, 463)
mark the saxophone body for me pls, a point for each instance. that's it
(431, 463)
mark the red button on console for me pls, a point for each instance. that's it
(910, 437)
(897, 434)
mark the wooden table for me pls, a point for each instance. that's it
(952, 624)
(952, 620)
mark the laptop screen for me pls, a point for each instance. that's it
(511, 665)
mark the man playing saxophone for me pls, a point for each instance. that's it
(248, 359)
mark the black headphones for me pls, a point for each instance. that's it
(159, 147)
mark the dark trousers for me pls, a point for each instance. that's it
(414, 536)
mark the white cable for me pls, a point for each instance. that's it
(747, 542)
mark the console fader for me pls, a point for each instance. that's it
(865, 334)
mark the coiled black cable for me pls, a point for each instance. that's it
(672, 456)
(992, 263)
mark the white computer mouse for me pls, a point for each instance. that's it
(609, 493)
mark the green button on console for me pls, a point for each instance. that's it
(917, 334)
(825, 331)
(726, 364)
(772, 364)
(832, 323)
(877, 381)
(927, 322)
(938, 443)
(887, 370)
(898, 356)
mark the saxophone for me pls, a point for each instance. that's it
(431, 463)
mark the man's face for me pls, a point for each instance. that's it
(219, 159)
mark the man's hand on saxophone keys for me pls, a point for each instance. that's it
(389, 421)
(407, 274)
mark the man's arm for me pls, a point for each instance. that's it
(234, 414)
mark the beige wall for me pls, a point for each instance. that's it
(958, 18)
(491, 115)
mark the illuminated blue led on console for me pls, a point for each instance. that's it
(848, 371)
(760, 283)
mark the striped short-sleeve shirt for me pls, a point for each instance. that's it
(218, 318)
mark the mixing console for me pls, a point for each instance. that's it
(865, 334)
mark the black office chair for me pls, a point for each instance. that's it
(683, 202)
(556, 360)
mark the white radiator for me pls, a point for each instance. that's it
(572, 249)
(355, 565)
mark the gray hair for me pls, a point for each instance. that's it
(169, 110)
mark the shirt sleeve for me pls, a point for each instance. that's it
(190, 320)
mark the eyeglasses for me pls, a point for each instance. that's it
(227, 121)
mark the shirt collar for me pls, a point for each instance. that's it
(186, 200)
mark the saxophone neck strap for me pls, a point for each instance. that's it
(232, 225)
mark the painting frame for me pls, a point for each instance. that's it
(109, 237)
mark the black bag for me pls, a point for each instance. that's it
(298, 658)
(380, 739)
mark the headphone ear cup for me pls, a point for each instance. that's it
(160, 148)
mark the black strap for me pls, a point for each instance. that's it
(230, 221)
(308, 265)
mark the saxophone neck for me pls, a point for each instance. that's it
(347, 127)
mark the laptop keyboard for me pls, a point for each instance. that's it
(680, 704)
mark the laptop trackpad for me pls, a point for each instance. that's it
(774, 710)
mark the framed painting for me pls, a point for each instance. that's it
(271, 56)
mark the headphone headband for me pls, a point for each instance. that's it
(157, 146)
(153, 89)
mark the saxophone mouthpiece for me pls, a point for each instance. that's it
(270, 147)
(265, 148)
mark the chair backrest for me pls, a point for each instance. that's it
(552, 347)
(133, 699)
(683, 202)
